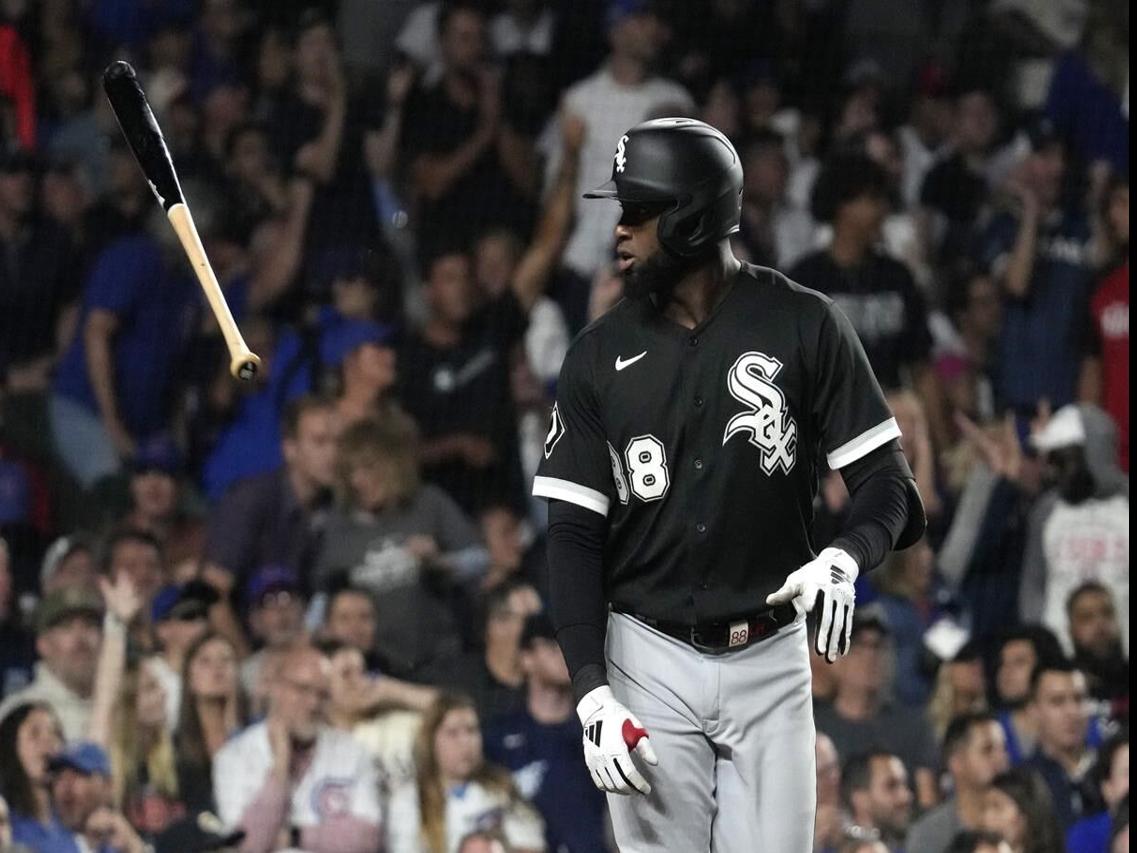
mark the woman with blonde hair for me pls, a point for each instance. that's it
(405, 542)
(456, 791)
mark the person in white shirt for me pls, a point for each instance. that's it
(456, 791)
(291, 782)
(622, 93)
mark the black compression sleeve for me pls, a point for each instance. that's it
(576, 591)
(886, 510)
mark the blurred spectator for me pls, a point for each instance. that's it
(830, 818)
(17, 646)
(276, 518)
(213, 709)
(68, 636)
(1096, 638)
(911, 605)
(859, 715)
(875, 790)
(136, 555)
(80, 799)
(367, 370)
(1058, 704)
(1105, 369)
(457, 147)
(481, 841)
(406, 543)
(977, 841)
(456, 790)
(925, 138)
(30, 735)
(1038, 252)
(955, 193)
(509, 540)
(276, 608)
(292, 781)
(960, 689)
(876, 292)
(179, 615)
(349, 618)
(1110, 778)
(1019, 809)
(494, 677)
(114, 383)
(128, 720)
(539, 745)
(621, 93)
(124, 204)
(6, 845)
(318, 133)
(1088, 95)
(1079, 528)
(1020, 651)
(974, 753)
(382, 713)
(158, 505)
(775, 232)
(68, 562)
(39, 277)
(1119, 832)
(974, 308)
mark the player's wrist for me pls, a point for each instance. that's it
(593, 701)
(588, 678)
(843, 560)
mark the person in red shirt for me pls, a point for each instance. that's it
(1105, 371)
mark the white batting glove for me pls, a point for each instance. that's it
(611, 733)
(831, 575)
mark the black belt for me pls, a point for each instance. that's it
(718, 637)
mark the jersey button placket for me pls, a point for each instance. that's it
(698, 464)
(701, 528)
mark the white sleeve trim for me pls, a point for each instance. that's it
(863, 444)
(566, 490)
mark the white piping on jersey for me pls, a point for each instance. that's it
(621, 363)
(566, 490)
(863, 444)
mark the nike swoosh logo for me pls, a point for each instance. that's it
(621, 363)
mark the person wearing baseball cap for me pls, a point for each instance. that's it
(276, 606)
(179, 615)
(365, 356)
(546, 731)
(80, 791)
(1079, 527)
(68, 625)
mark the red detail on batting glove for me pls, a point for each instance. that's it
(633, 734)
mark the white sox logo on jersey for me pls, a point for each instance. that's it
(771, 429)
(621, 155)
(556, 430)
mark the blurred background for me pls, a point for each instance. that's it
(389, 192)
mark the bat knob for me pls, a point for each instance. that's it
(245, 367)
(118, 68)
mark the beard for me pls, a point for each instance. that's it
(658, 274)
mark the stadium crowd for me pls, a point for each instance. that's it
(306, 613)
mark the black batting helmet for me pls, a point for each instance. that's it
(687, 168)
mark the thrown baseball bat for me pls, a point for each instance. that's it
(149, 146)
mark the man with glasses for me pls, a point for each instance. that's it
(859, 716)
(291, 781)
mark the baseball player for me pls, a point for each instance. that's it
(680, 466)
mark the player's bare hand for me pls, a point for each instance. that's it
(611, 734)
(830, 576)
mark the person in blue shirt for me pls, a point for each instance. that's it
(115, 382)
(1039, 255)
(1110, 777)
(540, 745)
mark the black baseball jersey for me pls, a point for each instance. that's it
(701, 446)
